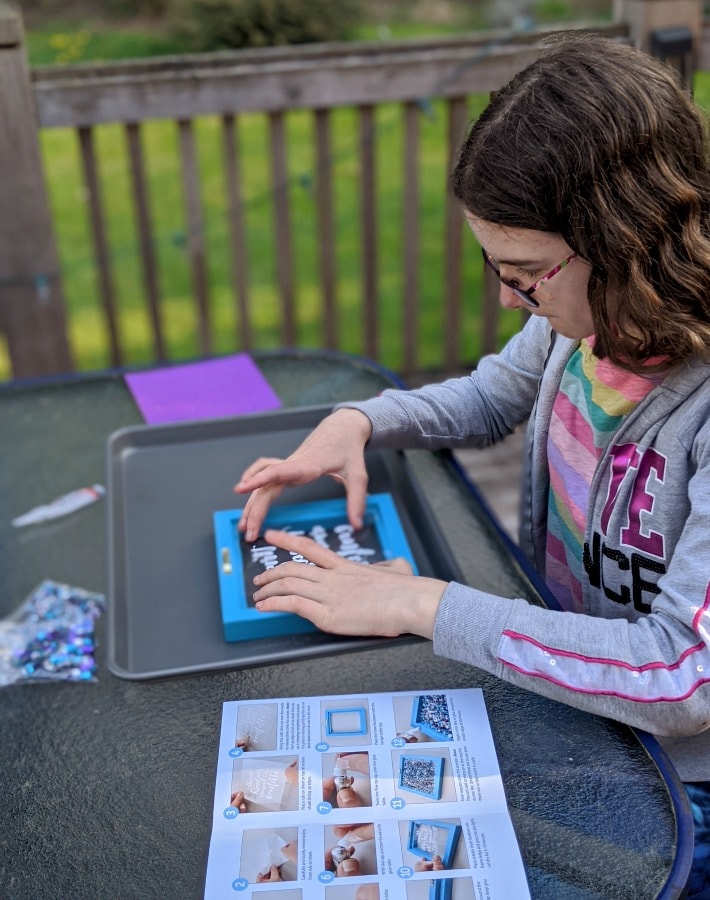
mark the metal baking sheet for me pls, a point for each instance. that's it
(164, 483)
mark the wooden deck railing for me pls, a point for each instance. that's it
(272, 82)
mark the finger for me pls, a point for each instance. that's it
(279, 472)
(319, 615)
(239, 802)
(305, 546)
(291, 578)
(258, 465)
(347, 799)
(356, 497)
(255, 510)
(354, 762)
(361, 832)
(348, 868)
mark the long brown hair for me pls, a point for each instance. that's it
(600, 143)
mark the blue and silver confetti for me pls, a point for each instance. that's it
(51, 636)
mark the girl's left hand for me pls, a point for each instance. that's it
(344, 597)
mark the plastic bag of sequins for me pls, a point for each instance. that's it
(50, 636)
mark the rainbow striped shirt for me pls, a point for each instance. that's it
(593, 398)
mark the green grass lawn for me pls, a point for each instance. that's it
(64, 43)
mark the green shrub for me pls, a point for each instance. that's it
(220, 24)
(128, 9)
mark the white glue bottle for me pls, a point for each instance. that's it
(62, 506)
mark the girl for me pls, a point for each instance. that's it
(586, 184)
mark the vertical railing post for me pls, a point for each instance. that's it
(31, 299)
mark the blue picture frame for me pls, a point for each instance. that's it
(447, 832)
(431, 772)
(382, 537)
(331, 726)
(438, 730)
(441, 889)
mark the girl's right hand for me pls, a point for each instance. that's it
(336, 447)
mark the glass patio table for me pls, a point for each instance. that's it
(108, 787)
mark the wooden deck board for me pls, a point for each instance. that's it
(496, 471)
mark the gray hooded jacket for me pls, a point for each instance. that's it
(640, 651)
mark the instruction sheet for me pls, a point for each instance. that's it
(387, 796)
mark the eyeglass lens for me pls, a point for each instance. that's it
(519, 292)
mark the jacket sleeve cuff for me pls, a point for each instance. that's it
(469, 625)
(386, 415)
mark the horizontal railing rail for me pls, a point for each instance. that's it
(270, 80)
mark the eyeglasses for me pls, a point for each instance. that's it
(526, 295)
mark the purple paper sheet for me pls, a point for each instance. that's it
(212, 389)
